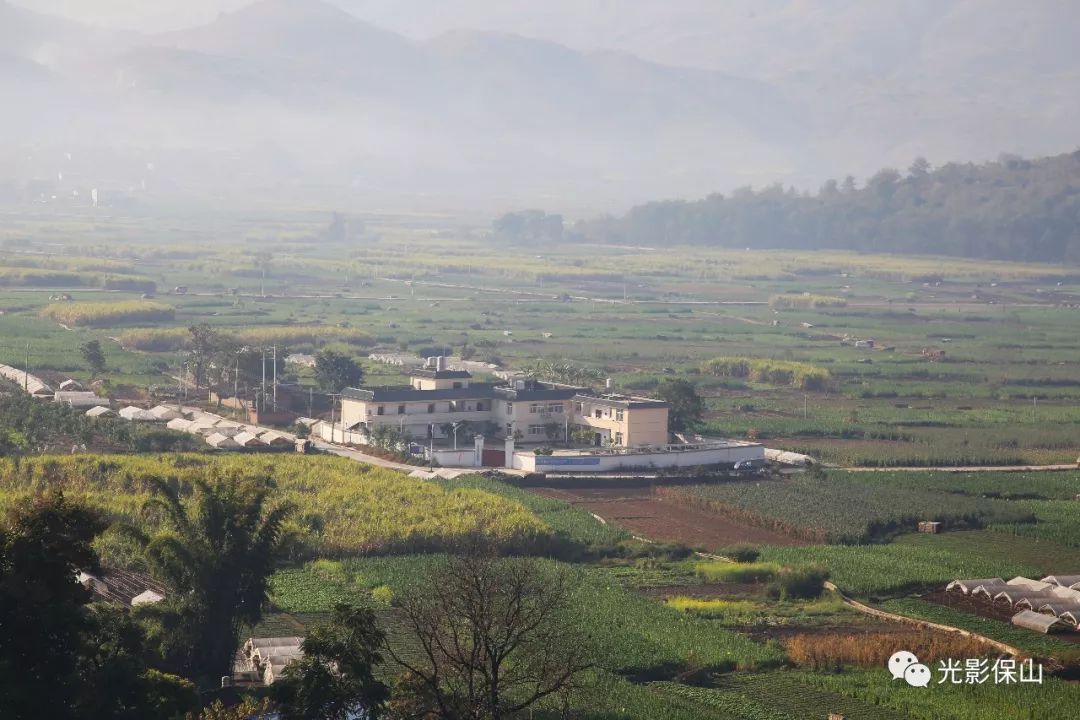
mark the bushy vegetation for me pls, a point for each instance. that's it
(799, 583)
(1008, 209)
(173, 339)
(772, 372)
(341, 507)
(845, 507)
(29, 425)
(109, 314)
(806, 301)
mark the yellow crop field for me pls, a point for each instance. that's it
(105, 314)
(342, 507)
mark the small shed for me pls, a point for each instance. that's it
(99, 411)
(165, 413)
(179, 424)
(275, 439)
(969, 586)
(247, 440)
(222, 442)
(201, 427)
(1038, 622)
(70, 384)
(929, 526)
(137, 414)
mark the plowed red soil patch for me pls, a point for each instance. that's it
(647, 515)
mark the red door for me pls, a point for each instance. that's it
(494, 458)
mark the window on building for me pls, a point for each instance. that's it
(618, 438)
(400, 409)
(431, 407)
(509, 430)
(479, 406)
(509, 408)
(555, 408)
(536, 430)
(577, 406)
(534, 408)
(455, 406)
(380, 410)
(457, 386)
(597, 413)
(618, 414)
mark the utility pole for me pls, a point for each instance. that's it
(804, 406)
(26, 371)
(455, 426)
(1034, 407)
(275, 378)
(310, 401)
(262, 403)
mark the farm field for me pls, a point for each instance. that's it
(646, 513)
(974, 362)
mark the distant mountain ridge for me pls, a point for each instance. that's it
(488, 118)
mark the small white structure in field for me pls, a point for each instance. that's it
(70, 384)
(99, 411)
(137, 414)
(1038, 622)
(179, 424)
(148, 597)
(247, 440)
(222, 442)
(165, 413)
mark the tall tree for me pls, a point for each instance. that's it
(493, 638)
(334, 371)
(94, 356)
(42, 618)
(60, 657)
(685, 406)
(335, 680)
(215, 553)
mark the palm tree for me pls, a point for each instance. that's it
(215, 552)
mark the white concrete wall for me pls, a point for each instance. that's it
(464, 457)
(585, 462)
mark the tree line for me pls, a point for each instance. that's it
(1008, 209)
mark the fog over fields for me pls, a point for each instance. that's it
(484, 105)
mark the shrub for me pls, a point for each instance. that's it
(799, 583)
(806, 301)
(741, 553)
(773, 372)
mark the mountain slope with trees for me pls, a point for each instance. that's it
(1010, 209)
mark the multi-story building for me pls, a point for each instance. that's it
(438, 400)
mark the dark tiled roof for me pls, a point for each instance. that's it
(536, 393)
(475, 391)
(121, 586)
(441, 374)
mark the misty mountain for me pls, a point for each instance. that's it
(580, 105)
